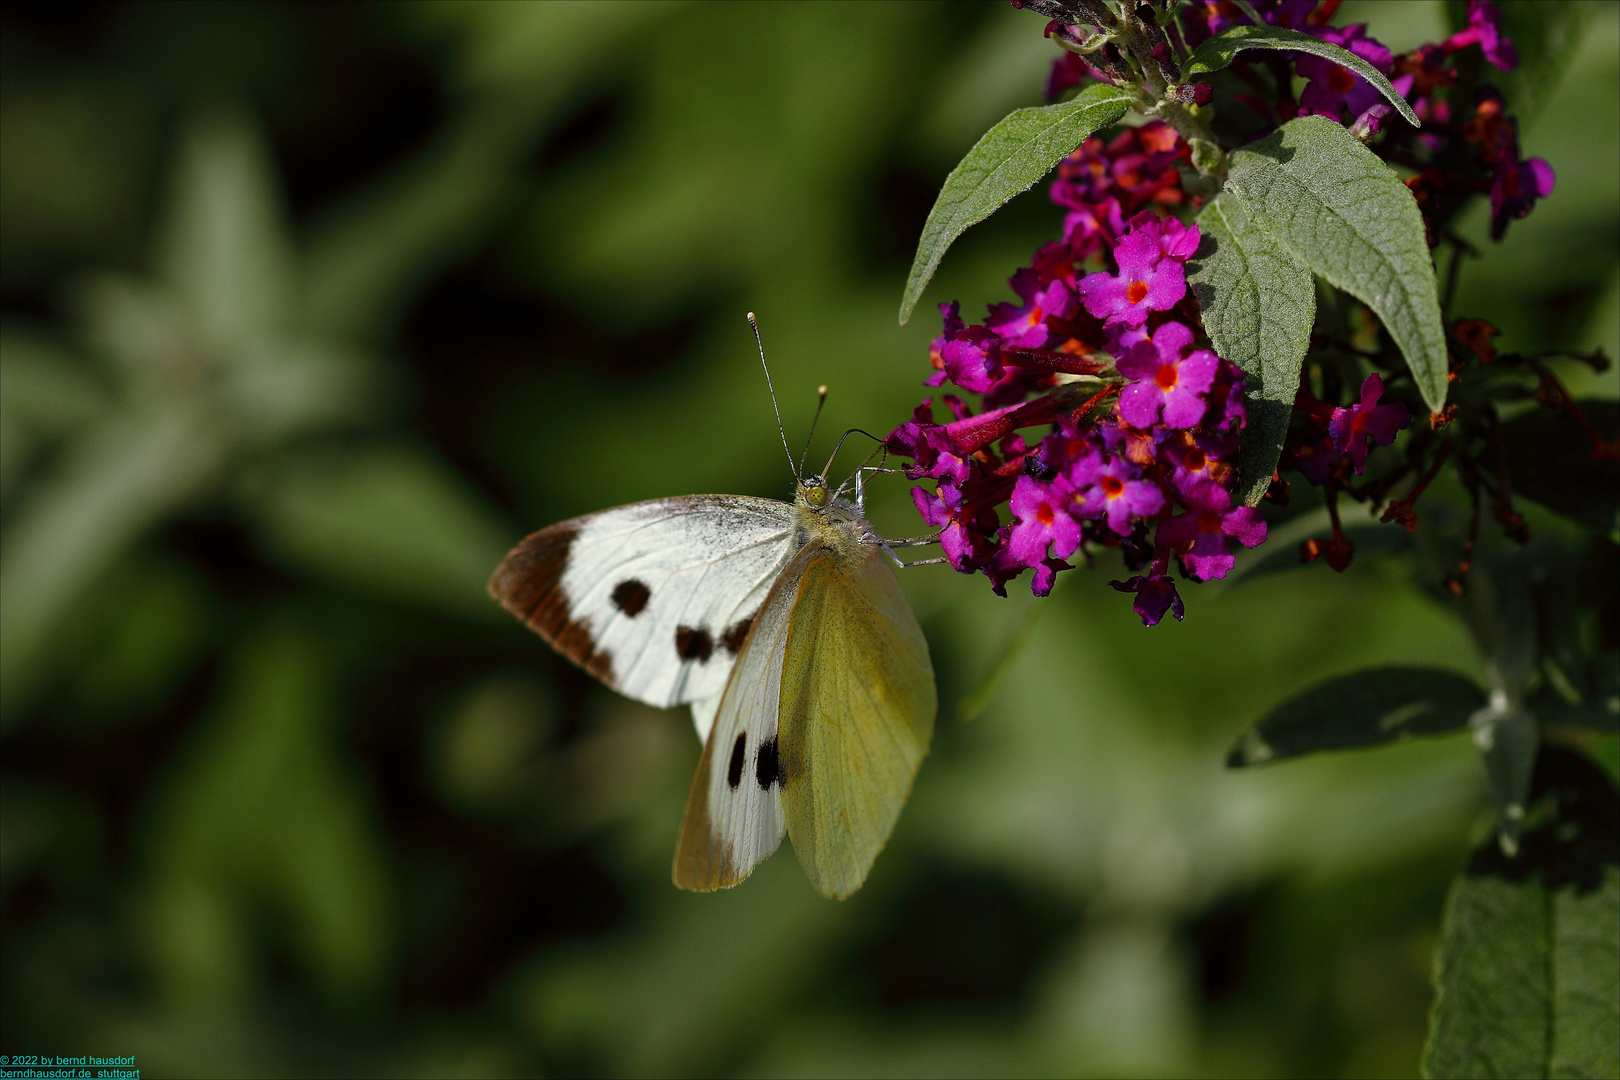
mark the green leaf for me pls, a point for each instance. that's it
(127, 473)
(1373, 706)
(383, 520)
(1549, 460)
(1011, 156)
(224, 244)
(1528, 973)
(1599, 714)
(1258, 305)
(1217, 52)
(269, 816)
(1328, 201)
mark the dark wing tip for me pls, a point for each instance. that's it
(528, 583)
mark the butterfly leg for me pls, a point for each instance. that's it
(860, 482)
(911, 541)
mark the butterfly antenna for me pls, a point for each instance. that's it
(841, 438)
(780, 430)
(821, 391)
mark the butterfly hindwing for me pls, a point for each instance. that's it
(654, 598)
(856, 714)
(734, 809)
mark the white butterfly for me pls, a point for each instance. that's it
(785, 628)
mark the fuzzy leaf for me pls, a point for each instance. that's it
(1335, 207)
(1258, 305)
(1528, 973)
(1010, 157)
(1372, 706)
(1217, 52)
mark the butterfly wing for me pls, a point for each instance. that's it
(734, 809)
(856, 716)
(656, 598)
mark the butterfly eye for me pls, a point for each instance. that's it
(816, 495)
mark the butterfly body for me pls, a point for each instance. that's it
(785, 629)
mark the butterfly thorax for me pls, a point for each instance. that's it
(836, 523)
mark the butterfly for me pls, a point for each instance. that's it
(785, 629)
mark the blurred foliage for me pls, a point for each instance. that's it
(308, 312)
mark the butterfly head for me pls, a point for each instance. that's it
(812, 493)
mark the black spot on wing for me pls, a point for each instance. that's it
(768, 765)
(739, 753)
(736, 634)
(631, 596)
(693, 644)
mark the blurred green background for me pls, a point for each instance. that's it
(310, 311)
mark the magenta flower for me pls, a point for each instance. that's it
(1484, 29)
(1335, 90)
(1293, 14)
(970, 358)
(964, 548)
(1111, 488)
(933, 452)
(1089, 226)
(1155, 594)
(1025, 327)
(1041, 521)
(1226, 411)
(1172, 239)
(938, 507)
(1209, 520)
(1366, 419)
(1518, 183)
(1151, 276)
(1168, 381)
(1199, 459)
(1316, 458)
(1046, 572)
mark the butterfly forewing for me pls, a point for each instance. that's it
(734, 809)
(856, 715)
(655, 598)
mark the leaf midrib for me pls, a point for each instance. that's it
(1400, 283)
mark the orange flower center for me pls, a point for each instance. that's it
(1036, 316)
(1195, 460)
(1113, 486)
(1166, 378)
(1044, 514)
(1341, 80)
(1136, 292)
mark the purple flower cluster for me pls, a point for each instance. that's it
(1102, 185)
(1106, 421)
(1141, 460)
